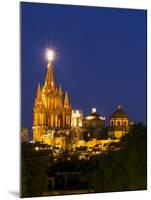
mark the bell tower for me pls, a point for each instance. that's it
(50, 110)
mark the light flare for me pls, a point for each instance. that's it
(50, 55)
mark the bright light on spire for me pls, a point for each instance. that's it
(50, 54)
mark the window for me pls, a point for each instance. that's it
(118, 123)
(125, 123)
(112, 123)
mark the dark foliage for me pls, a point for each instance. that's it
(126, 169)
(33, 171)
(122, 170)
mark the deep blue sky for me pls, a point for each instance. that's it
(101, 57)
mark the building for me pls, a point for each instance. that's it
(56, 124)
(76, 118)
(93, 120)
(119, 123)
(52, 109)
(93, 125)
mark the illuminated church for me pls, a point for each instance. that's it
(56, 124)
(52, 109)
(119, 123)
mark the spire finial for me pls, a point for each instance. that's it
(66, 100)
(39, 92)
(119, 107)
(93, 110)
(60, 90)
(49, 80)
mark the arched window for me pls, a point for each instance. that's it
(125, 123)
(118, 123)
(112, 123)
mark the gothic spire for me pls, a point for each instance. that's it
(60, 90)
(49, 80)
(66, 101)
(39, 92)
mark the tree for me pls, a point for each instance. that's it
(123, 170)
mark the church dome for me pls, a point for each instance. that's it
(94, 115)
(94, 120)
(119, 113)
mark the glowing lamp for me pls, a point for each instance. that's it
(37, 148)
(50, 54)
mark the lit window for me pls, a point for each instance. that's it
(112, 123)
(118, 123)
(125, 123)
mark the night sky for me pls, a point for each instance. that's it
(101, 57)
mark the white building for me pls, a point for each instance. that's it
(76, 118)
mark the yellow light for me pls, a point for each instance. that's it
(50, 54)
(37, 148)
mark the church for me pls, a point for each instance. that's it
(57, 124)
(52, 109)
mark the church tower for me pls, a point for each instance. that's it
(51, 110)
(119, 124)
